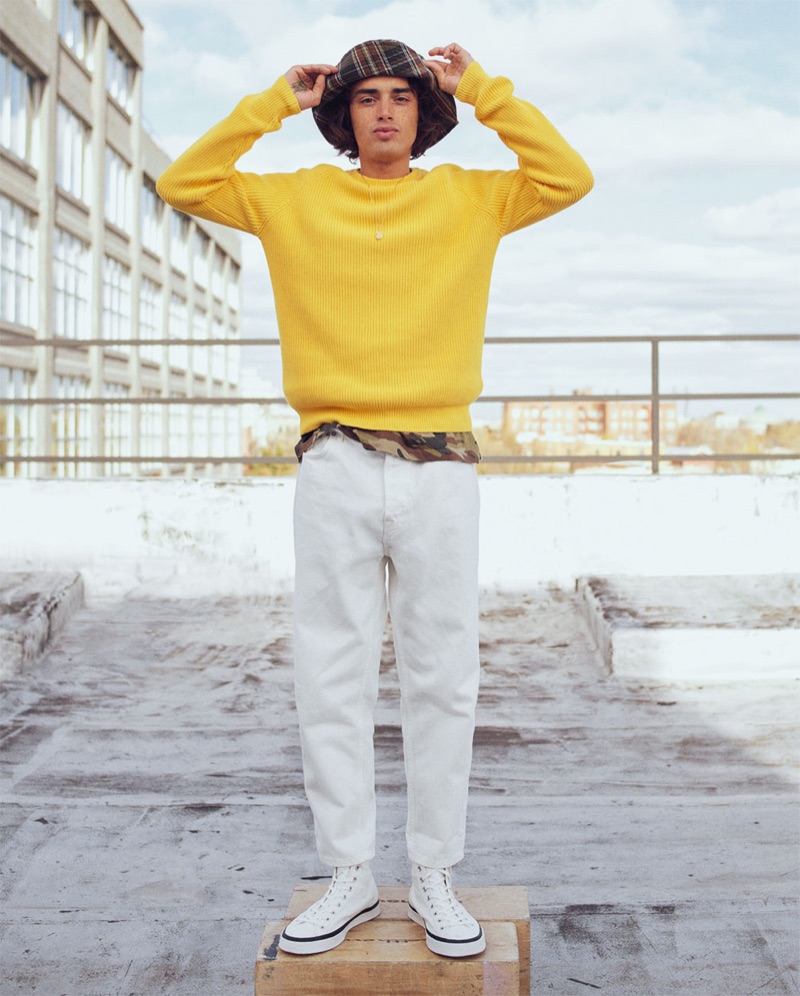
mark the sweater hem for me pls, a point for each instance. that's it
(455, 418)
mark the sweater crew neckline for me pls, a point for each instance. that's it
(372, 181)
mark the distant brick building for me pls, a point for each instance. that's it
(587, 419)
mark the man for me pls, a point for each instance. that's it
(381, 279)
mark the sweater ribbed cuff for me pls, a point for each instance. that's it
(277, 102)
(470, 84)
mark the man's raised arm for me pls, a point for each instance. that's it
(551, 174)
(204, 181)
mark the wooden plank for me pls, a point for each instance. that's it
(389, 958)
(487, 904)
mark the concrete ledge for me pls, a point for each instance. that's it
(34, 606)
(232, 537)
(688, 629)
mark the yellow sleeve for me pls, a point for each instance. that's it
(551, 174)
(204, 181)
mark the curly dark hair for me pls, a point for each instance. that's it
(343, 139)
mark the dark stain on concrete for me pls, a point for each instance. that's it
(618, 611)
(22, 607)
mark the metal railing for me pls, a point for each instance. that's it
(654, 397)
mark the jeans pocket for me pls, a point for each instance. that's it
(323, 443)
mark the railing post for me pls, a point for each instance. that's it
(655, 408)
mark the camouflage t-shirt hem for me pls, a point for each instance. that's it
(422, 447)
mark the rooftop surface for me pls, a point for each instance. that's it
(154, 816)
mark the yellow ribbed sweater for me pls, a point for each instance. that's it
(381, 334)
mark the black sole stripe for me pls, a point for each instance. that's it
(333, 933)
(450, 940)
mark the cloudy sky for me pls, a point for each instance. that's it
(687, 112)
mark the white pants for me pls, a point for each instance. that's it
(358, 516)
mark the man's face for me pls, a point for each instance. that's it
(384, 113)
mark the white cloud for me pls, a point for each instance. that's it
(591, 283)
(689, 135)
(570, 54)
(565, 54)
(774, 218)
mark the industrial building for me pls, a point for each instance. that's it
(91, 257)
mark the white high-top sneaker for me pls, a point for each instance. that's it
(449, 929)
(352, 898)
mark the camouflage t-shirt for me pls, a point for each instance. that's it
(419, 446)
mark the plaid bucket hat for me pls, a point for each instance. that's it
(386, 57)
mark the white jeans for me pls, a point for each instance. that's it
(359, 515)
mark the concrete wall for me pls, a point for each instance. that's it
(238, 535)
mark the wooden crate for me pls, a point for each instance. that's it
(388, 956)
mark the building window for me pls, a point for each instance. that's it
(234, 440)
(151, 320)
(179, 241)
(19, 92)
(76, 26)
(74, 156)
(151, 422)
(200, 334)
(116, 301)
(117, 427)
(120, 74)
(16, 421)
(71, 427)
(17, 264)
(234, 274)
(178, 329)
(218, 431)
(178, 432)
(218, 276)
(71, 270)
(152, 208)
(201, 246)
(218, 352)
(234, 358)
(118, 190)
(200, 441)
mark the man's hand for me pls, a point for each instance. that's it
(308, 82)
(449, 72)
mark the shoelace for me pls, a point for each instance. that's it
(342, 884)
(436, 888)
